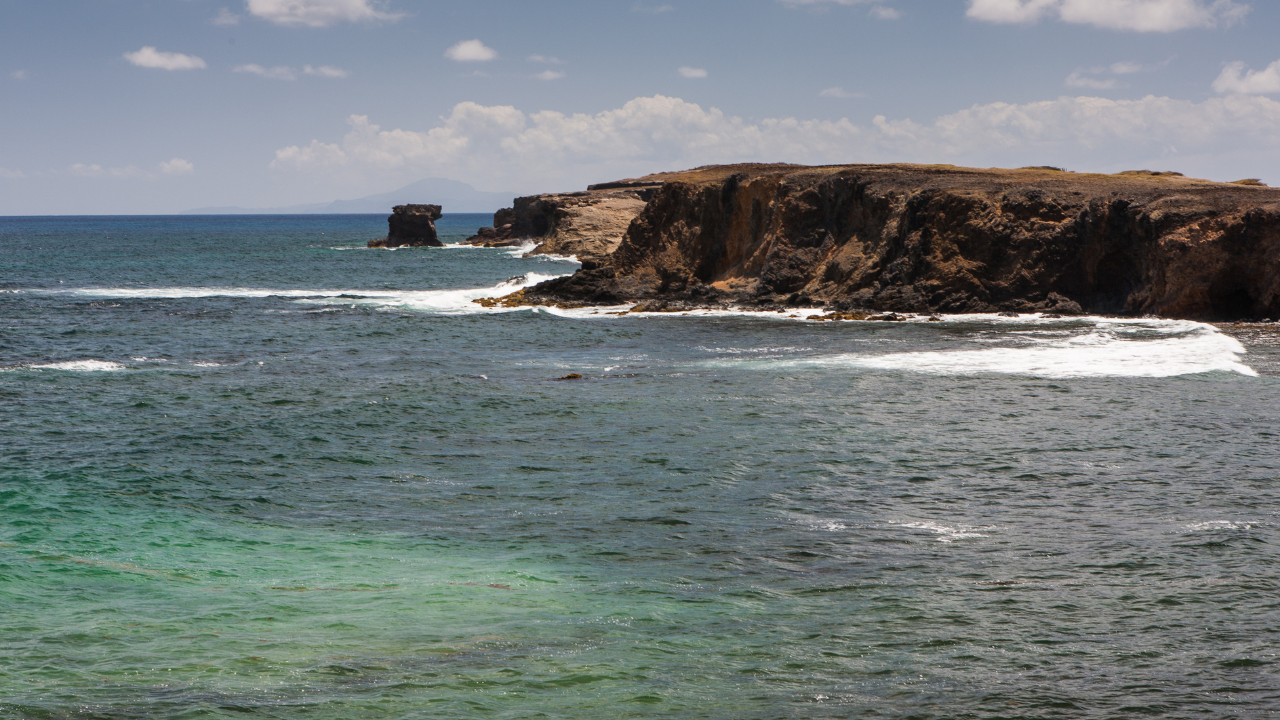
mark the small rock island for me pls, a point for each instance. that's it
(411, 226)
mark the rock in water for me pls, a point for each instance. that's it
(411, 226)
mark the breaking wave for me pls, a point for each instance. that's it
(442, 301)
(73, 366)
(1085, 347)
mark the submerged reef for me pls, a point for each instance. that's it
(411, 226)
(916, 238)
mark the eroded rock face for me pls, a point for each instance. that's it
(588, 225)
(945, 239)
(411, 226)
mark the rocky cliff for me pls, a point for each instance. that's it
(923, 238)
(411, 226)
(588, 225)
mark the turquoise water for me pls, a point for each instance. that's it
(251, 469)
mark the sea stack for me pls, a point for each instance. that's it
(411, 226)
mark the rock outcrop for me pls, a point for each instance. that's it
(588, 225)
(921, 238)
(411, 226)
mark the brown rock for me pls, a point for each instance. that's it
(411, 226)
(928, 238)
(587, 225)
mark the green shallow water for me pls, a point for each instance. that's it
(250, 470)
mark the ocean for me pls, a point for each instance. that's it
(251, 468)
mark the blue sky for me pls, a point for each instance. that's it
(156, 106)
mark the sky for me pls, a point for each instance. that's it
(158, 106)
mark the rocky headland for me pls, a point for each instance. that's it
(411, 226)
(857, 239)
(588, 225)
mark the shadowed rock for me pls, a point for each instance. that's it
(587, 225)
(411, 226)
(939, 238)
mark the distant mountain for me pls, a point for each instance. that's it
(453, 196)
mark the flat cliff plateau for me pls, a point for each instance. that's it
(930, 238)
(588, 225)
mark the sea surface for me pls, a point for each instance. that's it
(250, 468)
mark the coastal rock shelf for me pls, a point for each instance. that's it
(919, 238)
(587, 225)
(411, 226)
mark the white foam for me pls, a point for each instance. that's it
(1219, 525)
(1096, 354)
(1087, 347)
(80, 366)
(200, 292)
(607, 310)
(437, 301)
(523, 249)
(947, 533)
(446, 301)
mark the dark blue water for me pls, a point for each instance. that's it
(249, 468)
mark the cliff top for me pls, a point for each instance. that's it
(1132, 183)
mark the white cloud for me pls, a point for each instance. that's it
(318, 13)
(1235, 79)
(1095, 78)
(226, 18)
(177, 166)
(795, 3)
(8, 174)
(18, 74)
(1136, 15)
(325, 71)
(839, 92)
(1125, 68)
(882, 12)
(692, 72)
(149, 57)
(546, 59)
(502, 146)
(1078, 80)
(129, 171)
(549, 75)
(279, 72)
(471, 51)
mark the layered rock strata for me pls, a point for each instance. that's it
(411, 226)
(920, 238)
(587, 225)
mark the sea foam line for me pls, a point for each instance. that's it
(447, 301)
(1107, 347)
(72, 365)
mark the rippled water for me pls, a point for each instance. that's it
(249, 468)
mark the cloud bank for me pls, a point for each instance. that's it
(1134, 15)
(1236, 79)
(317, 13)
(501, 146)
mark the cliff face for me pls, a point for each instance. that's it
(945, 239)
(411, 226)
(588, 225)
